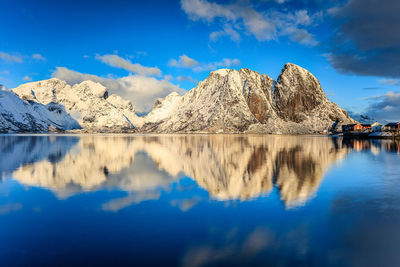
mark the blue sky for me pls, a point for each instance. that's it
(146, 49)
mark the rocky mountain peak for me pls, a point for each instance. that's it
(221, 72)
(87, 102)
(92, 88)
(296, 93)
(230, 100)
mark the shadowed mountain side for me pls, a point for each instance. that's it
(229, 167)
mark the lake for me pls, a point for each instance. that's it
(198, 200)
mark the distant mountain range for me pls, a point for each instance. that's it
(228, 101)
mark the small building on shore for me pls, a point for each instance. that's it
(357, 127)
(362, 127)
(377, 127)
(392, 126)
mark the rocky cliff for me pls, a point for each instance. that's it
(246, 101)
(215, 105)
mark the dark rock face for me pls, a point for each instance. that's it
(296, 93)
(257, 93)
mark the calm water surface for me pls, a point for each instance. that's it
(198, 201)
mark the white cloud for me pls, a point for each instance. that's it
(9, 57)
(119, 62)
(390, 82)
(226, 62)
(187, 62)
(202, 9)
(226, 31)
(186, 78)
(183, 62)
(264, 26)
(27, 78)
(142, 91)
(38, 57)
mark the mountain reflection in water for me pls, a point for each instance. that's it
(228, 167)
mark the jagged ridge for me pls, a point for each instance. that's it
(228, 101)
(246, 101)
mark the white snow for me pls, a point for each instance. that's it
(87, 102)
(20, 115)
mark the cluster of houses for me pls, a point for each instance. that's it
(369, 128)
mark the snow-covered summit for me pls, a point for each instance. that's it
(245, 100)
(221, 72)
(89, 103)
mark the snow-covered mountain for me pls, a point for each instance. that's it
(88, 103)
(18, 115)
(227, 101)
(246, 101)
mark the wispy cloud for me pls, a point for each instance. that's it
(11, 58)
(141, 90)
(27, 78)
(227, 30)
(395, 82)
(186, 78)
(371, 88)
(226, 62)
(187, 62)
(243, 17)
(183, 62)
(119, 62)
(38, 57)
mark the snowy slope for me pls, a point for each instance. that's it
(88, 103)
(17, 115)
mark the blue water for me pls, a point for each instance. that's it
(217, 200)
